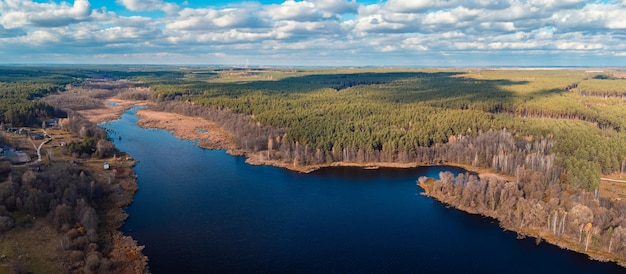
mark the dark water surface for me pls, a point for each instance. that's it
(203, 211)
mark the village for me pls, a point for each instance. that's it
(30, 146)
(14, 150)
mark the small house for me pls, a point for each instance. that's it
(38, 136)
(18, 157)
(51, 123)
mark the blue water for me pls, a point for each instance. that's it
(203, 211)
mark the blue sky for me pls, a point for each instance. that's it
(315, 32)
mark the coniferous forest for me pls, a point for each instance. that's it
(567, 123)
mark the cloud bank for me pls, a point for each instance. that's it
(317, 32)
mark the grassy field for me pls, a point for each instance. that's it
(33, 246)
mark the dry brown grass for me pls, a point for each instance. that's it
(613, 190)
(111, 112)
(35, 244)
(207, 132)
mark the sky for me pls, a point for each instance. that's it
(448, 33)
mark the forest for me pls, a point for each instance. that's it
(19, 88)
(580, 221)
(321, 116)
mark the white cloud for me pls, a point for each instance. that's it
(449, 17)
(292, 10)
(513, 45)
(439, 18)
(306, 29)
(468, 45)
(326, 29)
(148, 5)
(20, 13)
(578, 46)
(557, 3)
(498, 26)
(593, 18)
(218, 38)
(543, 34)
(487, 4)
(42, 37)
(337, 6)
(211, 19)
(418, 5)
(377, 24)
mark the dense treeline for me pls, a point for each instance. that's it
(17, 106)
(378, 115)
(603, 87)
(20, 87)
(579, 220)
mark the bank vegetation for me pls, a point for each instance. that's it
(60, 210)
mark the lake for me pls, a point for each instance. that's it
(204, 211)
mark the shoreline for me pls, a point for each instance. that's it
(210, 136)
(537, 233)
(219, 139)
(124, 248)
